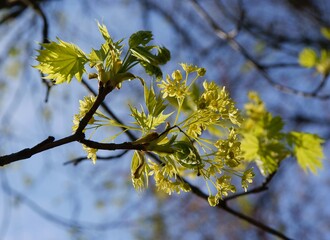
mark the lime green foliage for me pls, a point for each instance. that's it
(309, 58)
(187, 128)
(61, 61)
(307, 149)
(201, 141)
(265, 143)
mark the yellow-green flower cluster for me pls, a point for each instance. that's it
(91, 153)
(229, 150)
(84, 106)
(223, 186)
(166, 178)
(192, 155)
(217, 100)
(247, 178)
(175, 86)
(214, 107)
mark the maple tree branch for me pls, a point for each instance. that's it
(113, 146)
(195, 190)
(80, 137)
(129, 134)
(50, 142)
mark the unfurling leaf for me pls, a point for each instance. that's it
(140, 38)
(61, 61)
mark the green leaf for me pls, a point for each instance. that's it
(307, 58)
(308, 150)
(155, 121)
(96, 56)
(140, 38)
(270, 155)
(110, 51)
(151, 61)
(152, 70)
(61, 61)
(155, 104)
(250, 146)
(148, 122)
(140, 118)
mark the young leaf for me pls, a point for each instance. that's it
(61, 61)
(308, 150)
(96, 56)
(155, 104)
(250, 146)
(104, 31)
(146, 121)
(140, 38)
(151, 61)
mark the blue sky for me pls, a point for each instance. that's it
(94, 194)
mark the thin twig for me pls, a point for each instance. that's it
(78, 160)
(261, 188)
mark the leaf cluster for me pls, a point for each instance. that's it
(265, 143)
(61, 61)
(193, 128)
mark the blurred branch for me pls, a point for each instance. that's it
(6, 211)
(45, 32)
(78, 160)
(223, 35)
(46, 214)
(223, 205)
(170, 18)
(261, 188)
(322, 84)
(12, 15)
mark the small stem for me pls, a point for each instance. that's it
(180, 102)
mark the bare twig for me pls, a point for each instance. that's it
(223, 35)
